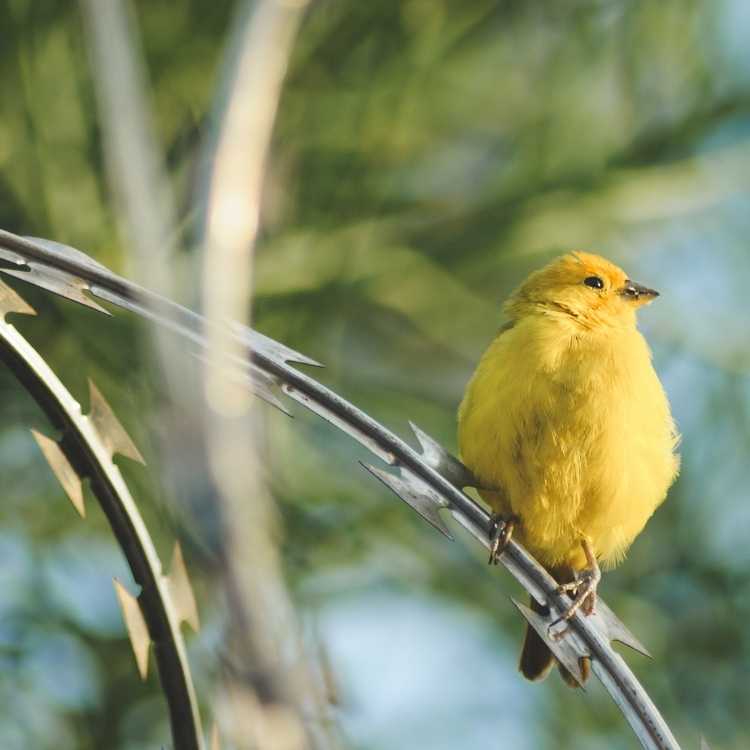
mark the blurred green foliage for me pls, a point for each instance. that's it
(428, 154)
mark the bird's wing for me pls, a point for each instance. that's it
(494, 496)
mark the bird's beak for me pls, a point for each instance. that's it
(638, 292)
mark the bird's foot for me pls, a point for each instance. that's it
(501, 532)
(583, 588)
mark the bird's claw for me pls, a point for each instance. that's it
(501, 532)
(570, 587)
(583, 590)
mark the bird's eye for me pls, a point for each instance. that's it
(594, 282)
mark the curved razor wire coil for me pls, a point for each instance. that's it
(85, 450)
(429, 481)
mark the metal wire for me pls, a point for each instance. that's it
(424, 480)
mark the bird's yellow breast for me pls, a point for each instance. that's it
(569, 429)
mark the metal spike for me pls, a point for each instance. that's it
(264, 387)
(54, 280)
(443, 462)
(69, 253)
(561, 648)
(62, 469)
(111, 432)
(616, 629)
(269, 397)
(261, 383)
(416, 493)
(272, 349)
(140, 639)
(10, 302)
(12, 258)
(181, 590)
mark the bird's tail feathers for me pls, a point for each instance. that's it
(536, 659)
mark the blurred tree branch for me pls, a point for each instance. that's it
(274, 700)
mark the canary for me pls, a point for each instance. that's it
(567, 428)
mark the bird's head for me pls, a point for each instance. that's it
(586, 287)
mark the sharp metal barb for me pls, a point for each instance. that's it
(271, 348)
(60, 282)
(11, 258)
(135, 623)
(416, 493)
(62, 251)
(265, 386)
(443, 462)
(62, 469)
(111, 432)
(262, 384)
(274, 358)
(617, 630)
(10, 302)
(181, 590)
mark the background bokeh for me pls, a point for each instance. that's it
(427, 155)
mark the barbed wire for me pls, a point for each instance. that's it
(430, 481)
(85, 451)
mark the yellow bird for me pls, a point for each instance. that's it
(567, 428)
